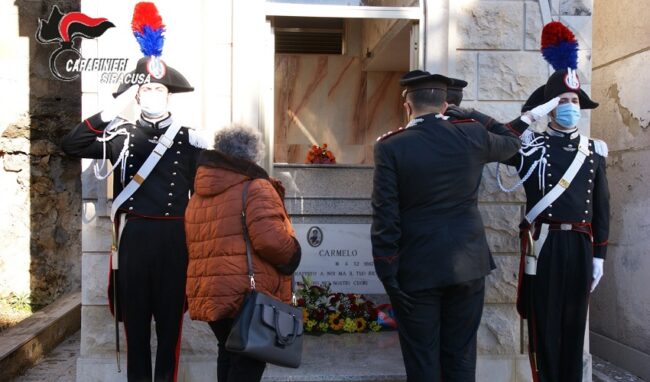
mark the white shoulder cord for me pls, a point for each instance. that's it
(529, 145)
(110, 132)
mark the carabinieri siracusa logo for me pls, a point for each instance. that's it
(63, 29)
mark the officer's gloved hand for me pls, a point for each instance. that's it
(458, 112)
(538, 112)
(597, 272)
(402, 301)
(119, 104)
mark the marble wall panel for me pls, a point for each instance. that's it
(329, 99)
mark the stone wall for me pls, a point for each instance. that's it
(620, 307)
(40, 193)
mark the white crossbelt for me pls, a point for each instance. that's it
(563, 184)
(164, 142)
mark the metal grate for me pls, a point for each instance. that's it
(308, 35)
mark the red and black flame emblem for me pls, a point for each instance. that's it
(63, 29)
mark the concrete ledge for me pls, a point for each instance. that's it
(22, 345)
(630, 359)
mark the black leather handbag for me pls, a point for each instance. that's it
(265, 328)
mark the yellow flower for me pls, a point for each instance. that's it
(323, 326)
(361, 324)
(309, 325)
(335, 321)
(374, 326)
(305, 315)
(350, 325)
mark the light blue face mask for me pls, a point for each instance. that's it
(567, 115)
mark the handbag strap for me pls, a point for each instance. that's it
(247, 240)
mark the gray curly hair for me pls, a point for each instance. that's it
(240, 141)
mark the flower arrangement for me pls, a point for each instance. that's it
(320, 155)
(327, 312)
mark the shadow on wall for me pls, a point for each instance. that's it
(54, 180)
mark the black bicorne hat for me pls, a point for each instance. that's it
(555, 86)
(158, 72)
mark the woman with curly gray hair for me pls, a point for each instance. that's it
(217, 274)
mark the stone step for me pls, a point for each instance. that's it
(24, 344)
(345, 357)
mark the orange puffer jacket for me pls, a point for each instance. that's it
(217, 276)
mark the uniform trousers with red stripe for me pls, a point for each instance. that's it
(151, 285)
(560, 298)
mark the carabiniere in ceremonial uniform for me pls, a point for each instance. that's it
(564, 234)
(154, 160)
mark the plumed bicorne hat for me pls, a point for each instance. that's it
(149, 30)
(560, 50)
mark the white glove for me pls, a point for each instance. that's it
(119, 104)
(597, 272)
(536, 113)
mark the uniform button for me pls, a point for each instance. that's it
(130, 208)
(589, 180)
(174, 173)
(178, 152)
(130, 165)
(549, 146)
(180, 132)
(179, 142)
(591, 161)
(131, 199)
(156, 138)
(133, 135)
(584, 221)
(131, 144)
(169, 204)
(551, 206)
(549, 174)
(130, 176)
(170, 194)
(548, 155)
(588, 201)
(550, 215)
(550, 185)
(548, 165)
(172, 184)
(589, 191)
(166, 213)
(175, 162)
(586, 212)
(131, 155)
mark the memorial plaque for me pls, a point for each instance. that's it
(340, 254)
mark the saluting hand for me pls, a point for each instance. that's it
(119, 104)
(536, 113)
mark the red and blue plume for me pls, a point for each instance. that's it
(148, 28)
(559, 46)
